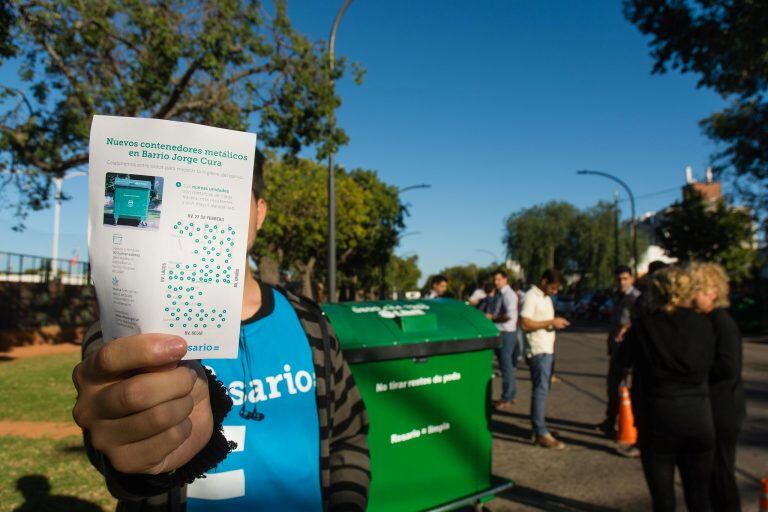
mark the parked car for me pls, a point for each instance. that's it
(564, 305)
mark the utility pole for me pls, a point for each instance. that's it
(615, 230)
(331, 177)
(58, 183)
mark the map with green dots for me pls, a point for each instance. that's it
(186, 303)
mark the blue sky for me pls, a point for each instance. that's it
(496, 105)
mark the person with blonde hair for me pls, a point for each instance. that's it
(726, 390)
(670, 348)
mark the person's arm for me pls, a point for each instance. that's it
(350, 459)
(529, 310)
(534, 325)
(149, 452)
(727, 362)
(508, 302)
(625, 353)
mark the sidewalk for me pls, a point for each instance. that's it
(588, 475)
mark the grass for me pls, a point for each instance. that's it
(38, 388)
(53, 474)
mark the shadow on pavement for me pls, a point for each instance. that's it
(517, 434)
(578, 374)
(547, 501)
(36, 490)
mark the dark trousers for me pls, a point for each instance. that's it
(508, 354)
(676, 432)
(612, 388)
(659, 469)
(724, 492)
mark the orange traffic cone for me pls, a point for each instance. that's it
(764, 495)
(626, 433)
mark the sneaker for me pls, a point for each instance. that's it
(503, 405)
(631, 451)
(549, 441)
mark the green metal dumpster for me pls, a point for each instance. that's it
(424, 369)
(131, 199)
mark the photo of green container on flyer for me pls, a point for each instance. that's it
(133, 200)
(424, 371)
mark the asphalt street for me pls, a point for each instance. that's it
(589, 475)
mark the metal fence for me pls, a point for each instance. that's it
(26, 268)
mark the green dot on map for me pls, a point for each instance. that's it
(178, 184)
(168, 296)
(171, 324)
(167, 309)
(218, 326)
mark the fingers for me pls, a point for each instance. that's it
(149, 455)
(128, 354)
(143, 391)
(142, 425)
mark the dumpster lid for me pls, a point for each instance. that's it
(380, 330)
(127, 182)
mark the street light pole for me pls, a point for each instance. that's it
(58, 183)
(331, 178)
(631, 202)
(412, 187)
(490, 253)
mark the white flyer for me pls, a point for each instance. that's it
(168, 218)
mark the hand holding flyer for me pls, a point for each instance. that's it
(168, 222)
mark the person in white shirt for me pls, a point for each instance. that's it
(537, 318)
(505, 318)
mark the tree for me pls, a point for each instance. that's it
(694, 229)
(464, 279)
(402, 274)
(215, 62)
(578, 242)
(294, 236)
(537, 237)
(363, 267)
(722, 41)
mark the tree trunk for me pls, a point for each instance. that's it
(307, 270)
(269, 271)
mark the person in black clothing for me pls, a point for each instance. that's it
(726, 391)
(670, 348)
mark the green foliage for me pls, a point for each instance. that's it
(403, 274)
(537, 237)
(724, 43)
(581, 242)
(464, 279)
(369, 217)
(694, 229)
(214, 62)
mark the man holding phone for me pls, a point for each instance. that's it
(537, 318)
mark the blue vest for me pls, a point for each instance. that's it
(276, 465)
